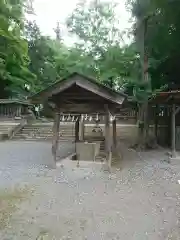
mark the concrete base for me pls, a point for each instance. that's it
(87, 151)
(175, 160)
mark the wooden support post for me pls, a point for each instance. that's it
(156, 122)
(77, 130)
(114, 131)
(108, 141)
(17, 111)
(20, 111)
(81, 131)
(55, 135)
(173, 137)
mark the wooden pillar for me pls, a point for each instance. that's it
(55, 135)
(156, 122)
(108, 139)
(20, 111)
(5, 110)
(173, 122)
(81, 130)
(17, 111)
(8, 111)
(0, 110)
(77, 130)
(114, 131)
(173, 137)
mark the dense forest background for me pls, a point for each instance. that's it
(30, 61)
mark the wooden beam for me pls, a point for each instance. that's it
(114, 131)
(108, 138)
(81, 108)
(55, 135)
(72, 97)
(81, 132)
(156, 118)
(173, 131)
(77, 130)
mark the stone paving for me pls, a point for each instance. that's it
(139, 201)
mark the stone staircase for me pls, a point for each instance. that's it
(43, 132)
(6, 129)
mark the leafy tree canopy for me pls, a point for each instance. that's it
(162, 38)
(14, 60)
(27, 58)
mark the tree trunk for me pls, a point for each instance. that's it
(143, 132)
(141, 121)
(156, 123)
(143, 110)
(55, 135)
(173, 126)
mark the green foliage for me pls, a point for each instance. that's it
(98, 52)
(162, 40)
(102, 56)
(157, 34)
(94, 22)
(14, 60)
(49, 59)
(29, 58)
(41, 57)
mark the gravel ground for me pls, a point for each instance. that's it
(140, 201)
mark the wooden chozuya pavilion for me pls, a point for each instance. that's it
(78, 94)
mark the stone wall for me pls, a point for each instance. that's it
(129, 132)
(125, 132)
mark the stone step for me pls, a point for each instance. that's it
(41, 139)
(42, 132)
(49, 130)
(41, 135)
(38, 136)
(30, 137)
(5, 128)
(48, 127)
